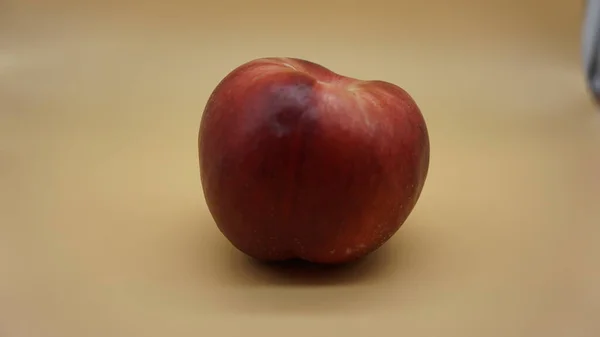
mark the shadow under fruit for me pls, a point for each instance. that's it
(298, 162)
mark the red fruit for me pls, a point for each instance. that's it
(298, 162)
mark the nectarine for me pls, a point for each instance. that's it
(298, 162)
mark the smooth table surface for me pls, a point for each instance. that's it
(103, 226)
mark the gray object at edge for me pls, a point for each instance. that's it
(591, 46)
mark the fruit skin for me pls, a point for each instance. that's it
(298, 162)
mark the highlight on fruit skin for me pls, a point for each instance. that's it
(299, 162)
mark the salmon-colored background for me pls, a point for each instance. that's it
(103, 226)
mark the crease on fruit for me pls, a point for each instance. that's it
(286, 64)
